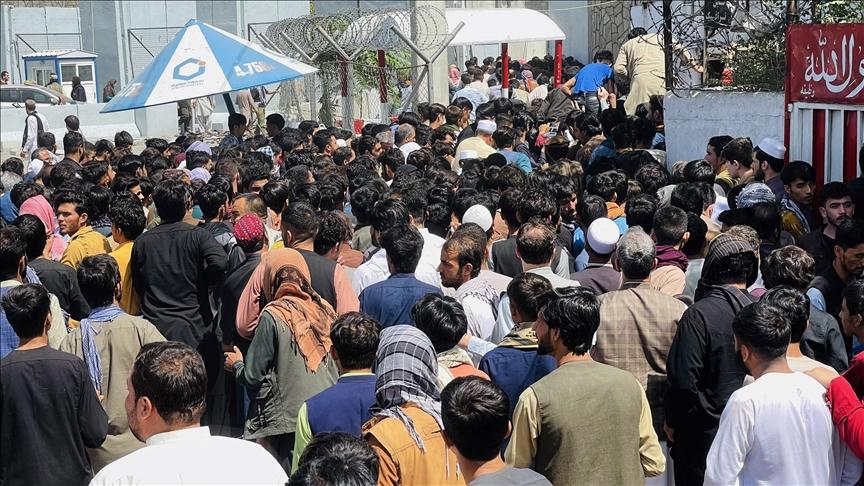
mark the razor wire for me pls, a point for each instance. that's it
(348, 72)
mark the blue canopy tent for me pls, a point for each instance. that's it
(202, 60)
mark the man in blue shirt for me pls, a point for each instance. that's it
(515, 365)
(593, 76)
(505, 141)
(390, 302)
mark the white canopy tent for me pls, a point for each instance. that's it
(501, 26)
(504, 26)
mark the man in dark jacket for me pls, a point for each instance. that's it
(823, 339)
(173, 267)
(703, 365)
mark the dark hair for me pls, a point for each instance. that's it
(98, 276)
(834, 190)
(699, 171)
(160, 144)
(123, 139)
(575, 312)
(476, 417)
(698, 230)
(740, 149)
(276, 120)
(388, 213)
(355, 337)
(46, 139)
(850, 233)
(468, 249)
(610, 119)
(171, 198)
(603, 185)
(129, 164)
(643, 132)
(362, 201)
(764, 328)
(332, 230)
(636, 32)
(590, 208)
(79, 199)
(13, 246)
(537, 203)
(718, 142)
(196, 158)
(528, 292)
(442, 319)
(253, 170)
(23, 191)
(275, 195)
(33, 234)
(403, 245)
(172, 375)
(795, 170)
(536, 243)
(26, 307)
(651, 178)
(210, 198)
(235, 120)
(504, 137)
(300, 218)
(128, 216)
(321, 139)
(336, 458)
(603, 55)
(72, 141)
(853, 294)
(670, 224)
(640, 211)
(788, 266)
(794, 304)
(391, 159)
(687, 197)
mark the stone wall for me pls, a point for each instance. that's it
(610, 23)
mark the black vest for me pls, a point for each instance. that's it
(321, 269)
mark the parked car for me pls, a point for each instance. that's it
(14, 96)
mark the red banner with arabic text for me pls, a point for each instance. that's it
(825, 63)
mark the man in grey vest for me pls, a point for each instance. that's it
(585, 422)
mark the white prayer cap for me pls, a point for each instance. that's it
(486, 126)
(341, 142)
(603, 236)
(478, 215)
(772, 147)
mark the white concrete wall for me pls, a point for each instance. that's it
(156, 121)
(692, 117)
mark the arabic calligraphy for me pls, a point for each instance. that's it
(838, 68)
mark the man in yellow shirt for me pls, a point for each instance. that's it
(127, 223)
(73, 217)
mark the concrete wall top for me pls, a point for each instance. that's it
(694, 116)
(157, 121)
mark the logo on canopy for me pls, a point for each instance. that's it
(189, 69)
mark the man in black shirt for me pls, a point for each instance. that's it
(703, 366)
(49, 410)
(58, 278)
(835, 205)
(173, 267)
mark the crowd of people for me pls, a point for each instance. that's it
(489, 292)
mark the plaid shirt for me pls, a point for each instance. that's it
(637, 326)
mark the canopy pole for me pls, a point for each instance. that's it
(229, 104)
(382, 87)
(559, 57)
(505, 70)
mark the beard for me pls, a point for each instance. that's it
(544, 345)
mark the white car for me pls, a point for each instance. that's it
(14, 96)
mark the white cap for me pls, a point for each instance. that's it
(772, 147)
(486, 126)
(341, 142)
(468, 154)
(478, 215)
(603, 236)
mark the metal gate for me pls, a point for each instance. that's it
(828, 136)
(145, 43)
